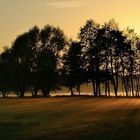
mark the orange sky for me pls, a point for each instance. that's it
(17, 16)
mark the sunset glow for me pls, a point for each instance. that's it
(17, 16)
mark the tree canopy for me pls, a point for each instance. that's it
(44, 59)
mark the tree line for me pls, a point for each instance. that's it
(45, 60)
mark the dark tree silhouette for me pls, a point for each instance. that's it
(133, 62)
(87, 38)
(114, 52)
(73, 72)
(44, 60)
(102, 42)
(8, 72)
(53, 42)
(47, 71)
(24, 52)
(4, 73)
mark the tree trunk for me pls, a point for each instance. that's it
(124, 83)
(108, 89)
(78, 90)
(137, 87)
(46, 92)
(115, 84)
(132, 85)
(106, 86)
(114, 78)
(94, 88)
(98, 90)
(35, 90)
(21, 92)
(71, 90)
(3, 94)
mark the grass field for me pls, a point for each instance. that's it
(70, 118)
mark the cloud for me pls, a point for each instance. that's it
(65, 4)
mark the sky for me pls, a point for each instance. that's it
(17, 16)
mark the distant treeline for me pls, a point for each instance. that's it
(45, 59)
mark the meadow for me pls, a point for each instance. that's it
(70, 118)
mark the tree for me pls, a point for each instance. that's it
(102, 42)
(90, 51)
(133, 61)
(24, 52)
(115, 49)
(8, 70)
(73, 72)
(53, 42)
(47, 71)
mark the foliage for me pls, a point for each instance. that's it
(43, 60)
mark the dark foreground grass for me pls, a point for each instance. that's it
(70, 118)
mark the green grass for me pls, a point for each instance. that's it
(70, 118)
